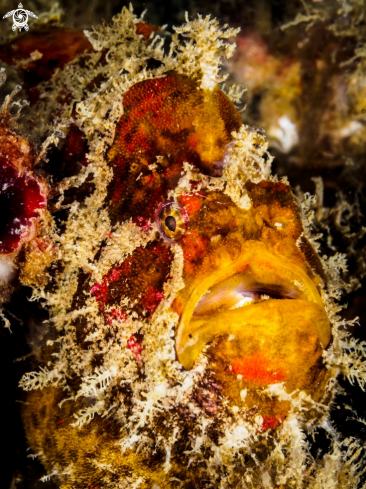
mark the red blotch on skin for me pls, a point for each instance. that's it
(142, 222)
(191, 203)
(134, 344)
(100, 290)
(163, 253)
(151, 296)
(21, 199)
(244, 267)
(270, 422)
(119, 179)
(257, 369)
(138, 109)
(151, 299)
(114, 313)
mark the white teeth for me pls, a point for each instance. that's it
(265, 297)
(245, 301)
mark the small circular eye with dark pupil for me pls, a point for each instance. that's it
(171, 223)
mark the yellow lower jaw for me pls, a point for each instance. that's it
(194, 332)
(273, 322)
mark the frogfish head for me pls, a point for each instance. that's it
(251, 302)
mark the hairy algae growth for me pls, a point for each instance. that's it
(193, 337)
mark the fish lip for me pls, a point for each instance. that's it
(252, 253)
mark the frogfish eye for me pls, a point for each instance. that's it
(171, 223)
(171, 220)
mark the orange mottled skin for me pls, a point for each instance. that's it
(161, 117)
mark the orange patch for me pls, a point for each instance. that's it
(257, 369)
(270, 422)
(191, 203)
(178, 305)
(194, 248)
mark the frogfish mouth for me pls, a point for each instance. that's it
(258, 288)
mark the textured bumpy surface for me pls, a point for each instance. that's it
(193, 338)
(23, 201)
(21, 193)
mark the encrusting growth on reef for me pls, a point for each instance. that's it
(194, 337)
(23, 200)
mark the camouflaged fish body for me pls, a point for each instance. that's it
(193, 338)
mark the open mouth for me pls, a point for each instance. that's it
(259, 290)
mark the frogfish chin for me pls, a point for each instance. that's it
(193, 334)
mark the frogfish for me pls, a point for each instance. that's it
(193, 337)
